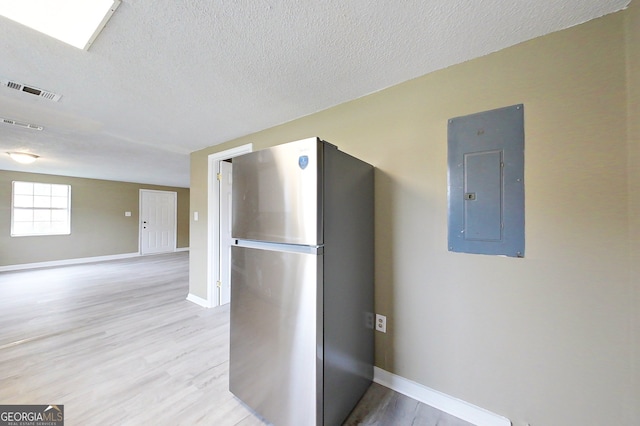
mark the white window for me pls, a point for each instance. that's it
(40, 209)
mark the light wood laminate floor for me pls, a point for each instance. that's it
(117, 343)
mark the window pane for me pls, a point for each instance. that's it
(59, 216)
(41, 227)
(60, 228)
(42, 216)
(22, 215)
(22, 228)
(23, 188)
(41, 189)
(23, 201)
(41, 201)
(60, 190)
(59, 202)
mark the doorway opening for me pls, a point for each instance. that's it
(219, 225)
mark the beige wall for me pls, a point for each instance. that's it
(547, 339)
(633, 81)
(98, 224)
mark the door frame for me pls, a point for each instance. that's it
(175, 218)
(213, 219)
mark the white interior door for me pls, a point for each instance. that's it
(225, 232)
(158, 225)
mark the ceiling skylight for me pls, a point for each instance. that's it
(76, 22)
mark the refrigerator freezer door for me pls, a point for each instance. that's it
(276, 334)
(276, 194)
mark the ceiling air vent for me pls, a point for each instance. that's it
(31, 90)
(20, 124)
(13, 85)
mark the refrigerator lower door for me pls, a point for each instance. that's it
(276, 334)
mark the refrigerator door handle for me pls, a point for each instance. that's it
(292, 248)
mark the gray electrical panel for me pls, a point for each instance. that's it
(486, 182)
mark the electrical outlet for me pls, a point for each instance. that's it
(368, 320)
(381, 323)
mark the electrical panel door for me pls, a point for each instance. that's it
(486, 182)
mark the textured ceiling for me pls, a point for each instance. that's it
(166, 78)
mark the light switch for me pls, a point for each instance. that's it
(127, 214)
(195, 216)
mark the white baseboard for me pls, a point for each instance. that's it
(443, 402)
(183, 249)
(66, 262)
(199, 301)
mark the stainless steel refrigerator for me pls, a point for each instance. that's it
(301, 283)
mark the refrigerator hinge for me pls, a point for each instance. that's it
(219, 284)
(219, 176)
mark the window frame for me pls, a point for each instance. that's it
(49, 231)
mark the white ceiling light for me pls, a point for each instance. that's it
(76, 22)
(23, 157)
